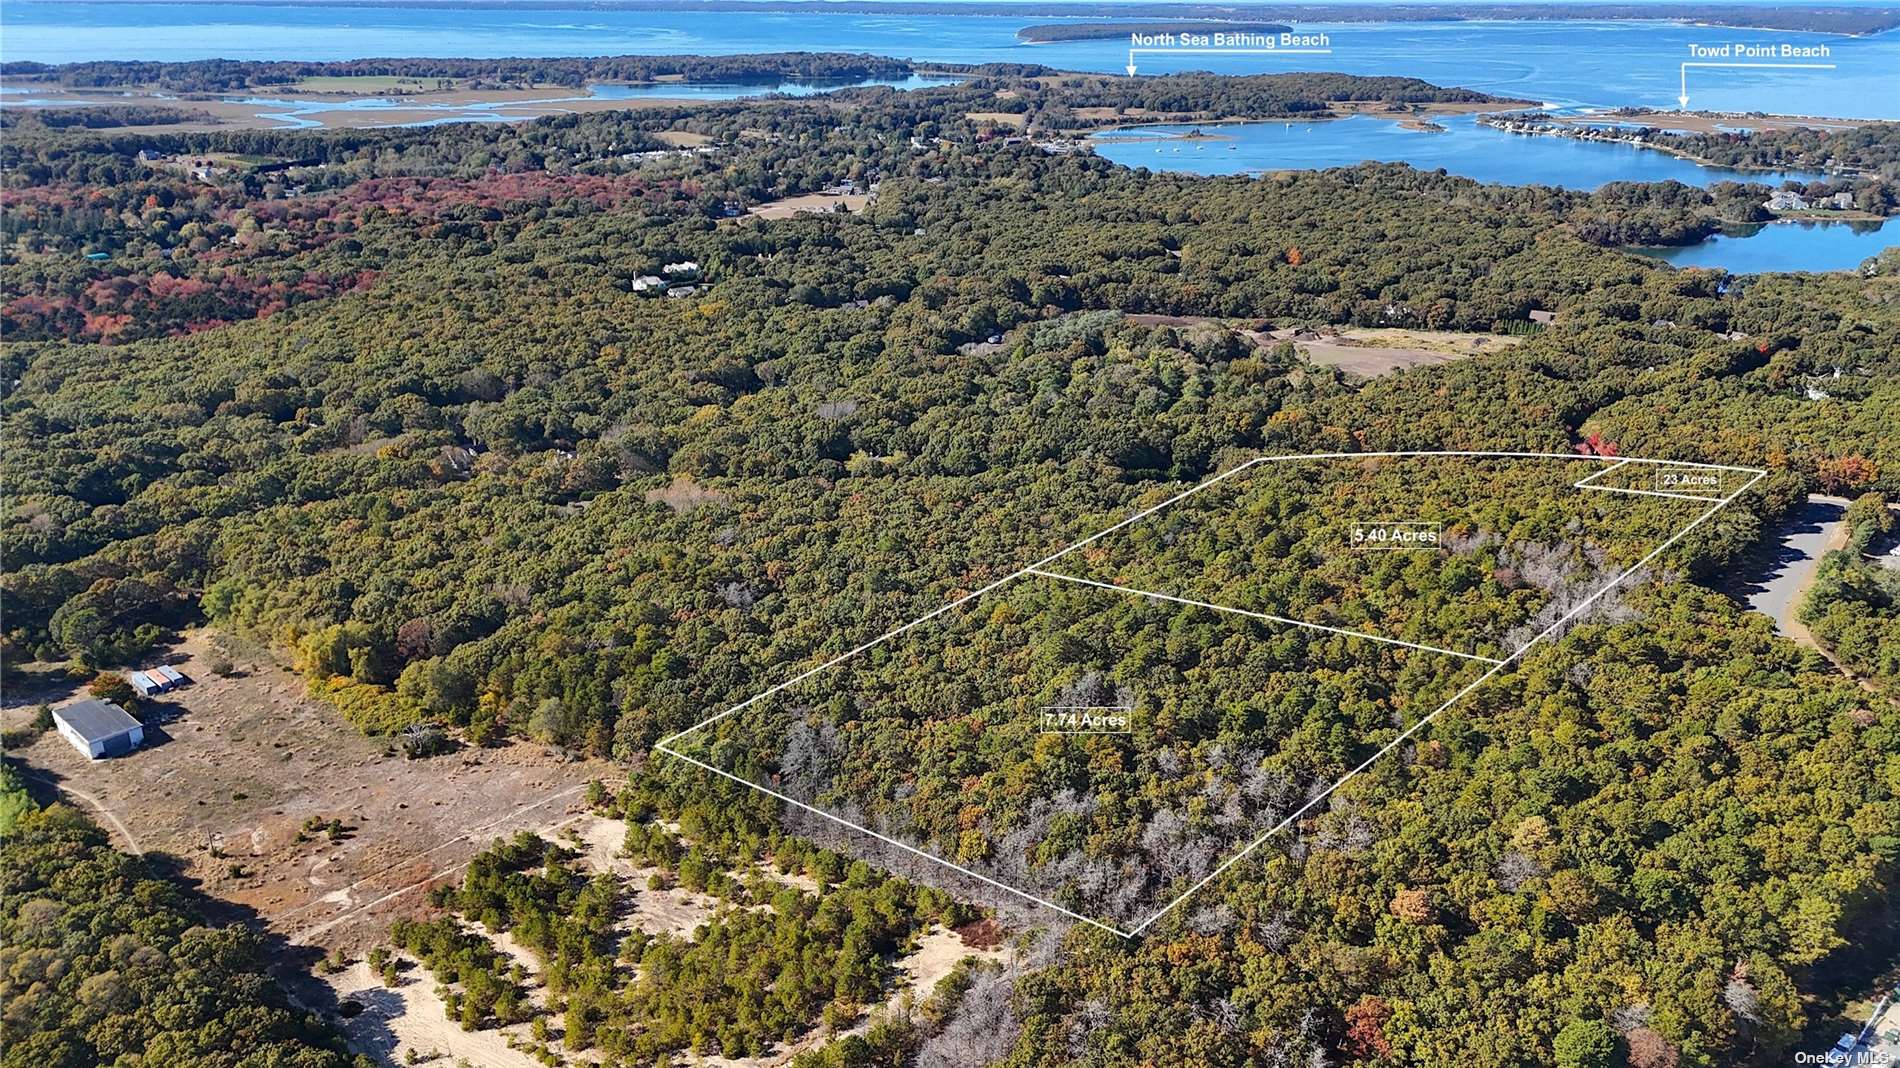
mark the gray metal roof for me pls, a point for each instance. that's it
(96, 720)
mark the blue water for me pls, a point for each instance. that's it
(1787, 246)
(1464, 148)
(1565, 63)
(301, 113)
(709, 91)
(1569, 64)
(1487, 155)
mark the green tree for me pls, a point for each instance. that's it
(1586, 1044)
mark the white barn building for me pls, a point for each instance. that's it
(98, 728)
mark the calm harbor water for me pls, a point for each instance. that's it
(1464, 147)
(1487, 155)
(301, 113)
(1559, 64)
(1787, 246)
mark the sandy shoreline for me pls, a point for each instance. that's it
(1714, 121)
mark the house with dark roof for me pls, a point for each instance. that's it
(98, 728)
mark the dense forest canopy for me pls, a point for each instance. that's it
(108, 960)
(405, 406)
(431, 342)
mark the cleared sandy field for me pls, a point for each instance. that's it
(234, 767)
(815, 202)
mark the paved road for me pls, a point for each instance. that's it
(1772, 579)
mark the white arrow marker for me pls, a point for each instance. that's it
(1683, 99)
(1224, 52)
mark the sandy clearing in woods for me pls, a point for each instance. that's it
(412, 1017)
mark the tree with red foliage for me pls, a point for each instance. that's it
(1365, 1028)
(1594, 445)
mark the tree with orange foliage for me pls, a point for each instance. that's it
(1365, 1027)
(1849, 474)
(1413, 906)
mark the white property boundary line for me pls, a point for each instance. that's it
(665, 744)
(1258, 615)
(1588, 482)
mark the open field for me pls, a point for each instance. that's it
(1364, 351)
(683, 138)
(815, 202)
(1369, 352)
(234, 767)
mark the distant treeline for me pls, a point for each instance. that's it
(1863, 161)
(1095, 31)
(1255, 96)
(221, 75)
(1872, 149)
(104, 117)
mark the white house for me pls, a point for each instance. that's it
(98, 728)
